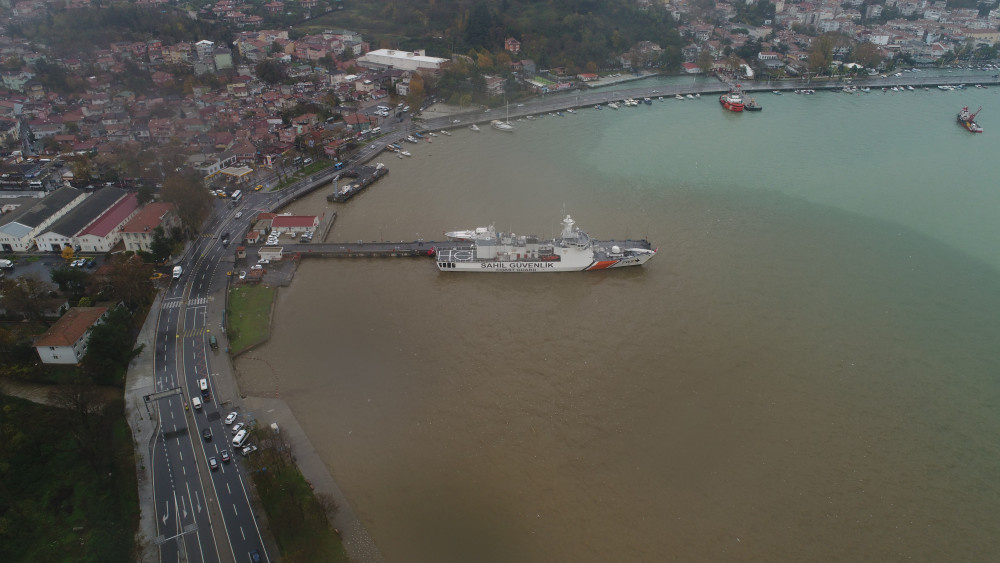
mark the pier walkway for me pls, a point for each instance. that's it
(401, 249)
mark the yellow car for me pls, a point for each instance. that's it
(156, 276)
(259, 187)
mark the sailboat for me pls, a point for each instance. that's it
(503, 125)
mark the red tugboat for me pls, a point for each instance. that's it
(968, 120)
(732, 100)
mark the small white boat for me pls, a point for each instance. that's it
(679, 97)
(690, 97)
(613, 105)
(432, 134)
(405, 153)
(443, 132)
(909, 87)
(698, 96)
(570, 110)
(529, 117)
(473, 127)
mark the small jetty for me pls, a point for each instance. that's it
(401, 249)
(362, 175)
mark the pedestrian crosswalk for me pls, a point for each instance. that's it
(189, 303)
(192, 332)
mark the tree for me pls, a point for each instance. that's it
(144, 194)
(27, 296)
(415, 95)
(866, 54)
(109, 348)
(270, 71)
(705, 61)
(72, 281)
(821, 53)
(194, 203)
(477, 28)
(128, 280)
(161, 247)
(68, 253)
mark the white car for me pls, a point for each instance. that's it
(237, 427)
(239, 214)
(230, 418)
(243, 276)
(263, 261)
(256, 267)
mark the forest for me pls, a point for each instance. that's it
(567, 33)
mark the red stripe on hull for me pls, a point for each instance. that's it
(603, 265)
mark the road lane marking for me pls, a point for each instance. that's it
(243, 534)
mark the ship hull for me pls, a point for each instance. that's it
(970, 126)
(542, 266)
(731, 106)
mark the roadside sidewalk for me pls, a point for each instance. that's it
(139, 382)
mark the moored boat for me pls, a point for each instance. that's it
(733, 99)
(752, 105)
(502, 126)
(474, 127)
(572, 251)
(967, 119)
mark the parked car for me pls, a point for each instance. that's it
(243, 276)
(207, 434)
(213, 464)
(256, 267)
(230, 418)
(248, 449)
(237, 427)
(263, 261)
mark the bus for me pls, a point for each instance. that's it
(237, 195)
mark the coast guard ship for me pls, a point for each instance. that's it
(572, 251)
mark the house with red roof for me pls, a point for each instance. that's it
(66, 341)
(138, 232)
(294, 223)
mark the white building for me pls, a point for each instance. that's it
(403, 60)
(66, 341)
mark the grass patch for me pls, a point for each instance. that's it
(65, 496)
(297, 517)
(248, 315)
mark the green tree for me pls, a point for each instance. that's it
(821, 53)
(270, 71)
(71, 281)
(705, 61)
(109, 348)
(27, 296)
(194, 203)
(161, 247)
(127, 279)
(477, 28)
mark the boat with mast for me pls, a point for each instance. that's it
(967, 119)
(503, 125)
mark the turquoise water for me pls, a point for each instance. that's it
(806, 371)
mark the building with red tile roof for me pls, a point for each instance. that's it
(294, 223)
(138, 232)
(66, 341)
(106, 231)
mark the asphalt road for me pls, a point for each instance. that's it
(208, 511)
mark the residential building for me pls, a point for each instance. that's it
(138, 232)
(66, 341)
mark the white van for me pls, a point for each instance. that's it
(196, 403)
(239, 438)
(376, 130)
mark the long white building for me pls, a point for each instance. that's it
(402, 60)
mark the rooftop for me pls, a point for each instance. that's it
(71, 326)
